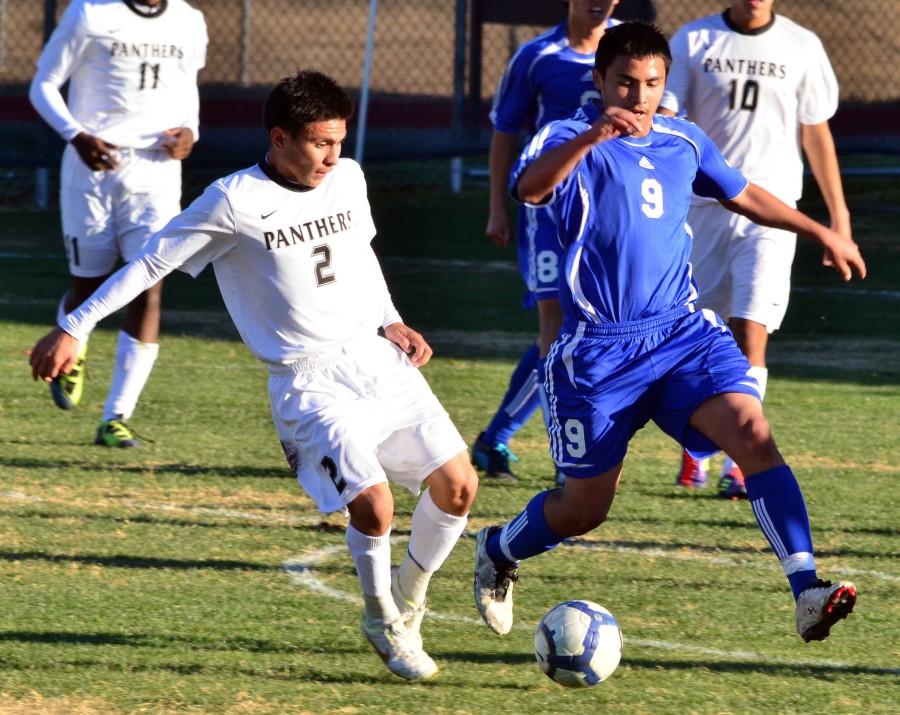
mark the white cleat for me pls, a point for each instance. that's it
(821, 605)
(493, 587)
(400, 649)
(410, 613)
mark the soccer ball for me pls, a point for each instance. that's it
(578, 644)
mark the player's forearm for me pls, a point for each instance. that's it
(763, 208)
(550, 169)
(500, 161)
(47, 100)
(818, 144)
(115, 293)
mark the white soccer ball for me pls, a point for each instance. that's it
(578, 644)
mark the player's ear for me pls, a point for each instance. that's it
(277, 137)
(598, 78)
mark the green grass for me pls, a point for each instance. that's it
(154, 580)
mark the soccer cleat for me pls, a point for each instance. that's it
(731, 485)
(694, 472)
(400, 650)
(494, 461)
(410, 613)
(115, 433)
(67, 389)
(493, 586)
(821, 605)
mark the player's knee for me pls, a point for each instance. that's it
(756, 435)
(372, 511)
(453, 486)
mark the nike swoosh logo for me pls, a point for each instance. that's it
(265, 216)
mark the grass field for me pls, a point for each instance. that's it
(194, 576)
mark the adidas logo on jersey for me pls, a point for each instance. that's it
(645, 163)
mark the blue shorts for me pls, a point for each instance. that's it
(605, 382)
(540, 254)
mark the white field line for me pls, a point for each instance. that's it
(301, 571)
(579, 544)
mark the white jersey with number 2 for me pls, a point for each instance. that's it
(750, 92)
(295, 267)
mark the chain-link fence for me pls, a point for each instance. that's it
(435, 66)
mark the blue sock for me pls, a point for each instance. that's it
(781, 513)
(525, 536)
(519, 402)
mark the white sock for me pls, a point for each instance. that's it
(60, 314)
(372, 558)
(434, 534)
(134, 362)
(761, 374)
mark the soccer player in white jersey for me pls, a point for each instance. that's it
(761, 87)
(289, 240)
(633, 346)
(548, 78)
(131, 118)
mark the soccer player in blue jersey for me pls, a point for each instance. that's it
(632, 346)
(548, 78)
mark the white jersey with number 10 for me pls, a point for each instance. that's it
(750, 92)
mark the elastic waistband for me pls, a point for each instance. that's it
(307, 363)
(630, 329)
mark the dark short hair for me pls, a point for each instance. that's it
(307, 97)
(636, 40)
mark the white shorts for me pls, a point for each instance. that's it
(107, 215)
(358, 417)
(743, 270)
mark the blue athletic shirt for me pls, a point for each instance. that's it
(622, 215)
(545, 80)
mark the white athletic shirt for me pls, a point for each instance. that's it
(130, 76)
(295, 267)
(751, 92)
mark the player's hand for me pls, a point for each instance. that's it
(96, 153)
(615, 122)
(498, 229)
(178, 142)
(55, 353)
(410, 342)
(842, 254)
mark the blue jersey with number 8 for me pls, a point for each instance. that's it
(622, 215)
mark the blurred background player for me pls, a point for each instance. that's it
(290, 242)
(761, 87)
(131, 118)
(548, 78)
(633, 346)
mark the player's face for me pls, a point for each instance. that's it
(634, 84)
(308, 157)
(751, 14)
(591, 12)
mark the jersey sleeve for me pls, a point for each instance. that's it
(716, 178)
(818, 91)
(202, 233)
(516, 95)
(678, 82)
(54, 67)
(551, 135)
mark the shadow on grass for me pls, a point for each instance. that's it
(188, 470)
(800, 670)
(136, 562)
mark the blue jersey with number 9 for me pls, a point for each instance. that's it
(622, 215)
